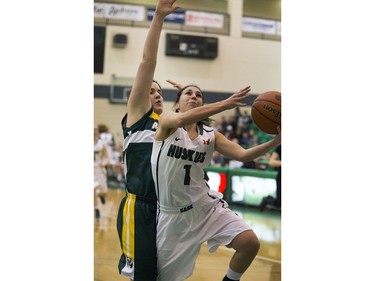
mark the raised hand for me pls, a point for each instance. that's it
(175, 85)
(165, 7)
(237, 98)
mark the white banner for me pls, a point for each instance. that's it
(278, 28)
(258, 25)
(125, 12)
(204, 19)
(99, 10)
(117, 11)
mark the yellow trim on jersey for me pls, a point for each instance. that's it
(128, 235)
(154, 115)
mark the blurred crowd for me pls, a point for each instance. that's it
(241, 129)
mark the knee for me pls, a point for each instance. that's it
(249, 243)
(253, 243)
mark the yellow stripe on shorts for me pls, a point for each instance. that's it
(128, 234)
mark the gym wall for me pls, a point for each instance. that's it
(240, 62)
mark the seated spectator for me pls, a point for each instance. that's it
(217, 159)
(274, 161)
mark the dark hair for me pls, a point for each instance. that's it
(152, 81)
(103, 128)
(206, 121)
(158, 85)
(184, 88)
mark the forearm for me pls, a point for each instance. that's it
(202, 112)
(274, 163)
(197, 114)
(259, 150)
(147, 67)
(139, 97)
(152, 40)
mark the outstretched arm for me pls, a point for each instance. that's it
(236, 152)
(139, 102)
(170, 121)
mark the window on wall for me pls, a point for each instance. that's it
(99, 44)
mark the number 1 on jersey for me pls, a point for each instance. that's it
(187, 174)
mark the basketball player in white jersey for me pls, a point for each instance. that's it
(101, 160)
(189, 212)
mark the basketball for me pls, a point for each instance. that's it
(266, 112)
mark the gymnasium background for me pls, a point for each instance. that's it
(244, 58)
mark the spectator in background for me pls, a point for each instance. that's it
(244, 139)
(231, 127)
(242, 120)
(101, 160)
(238, 135)
(252, 138)
(217, 159)
(222, 125)
(253, 163)
(274, 161)
(247, 120)
(107, 138)
(116, 163)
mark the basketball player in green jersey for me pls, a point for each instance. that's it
(136, 220)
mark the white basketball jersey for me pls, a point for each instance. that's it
(98, 146)
(177, 166)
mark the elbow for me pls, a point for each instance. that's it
(182, 120)
(242, 158)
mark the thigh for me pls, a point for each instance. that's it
(178, 246)
(224, 226)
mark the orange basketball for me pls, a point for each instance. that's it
(266, 112)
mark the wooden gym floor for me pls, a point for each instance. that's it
(209, 267)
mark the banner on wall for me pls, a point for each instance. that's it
(175, 17)
(257, 25)
(278, 28)
(99, 10)
(120, 12)
(204, 19)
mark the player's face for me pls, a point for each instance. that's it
(156, 98)
(190, 98)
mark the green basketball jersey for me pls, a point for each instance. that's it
(137, 150)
